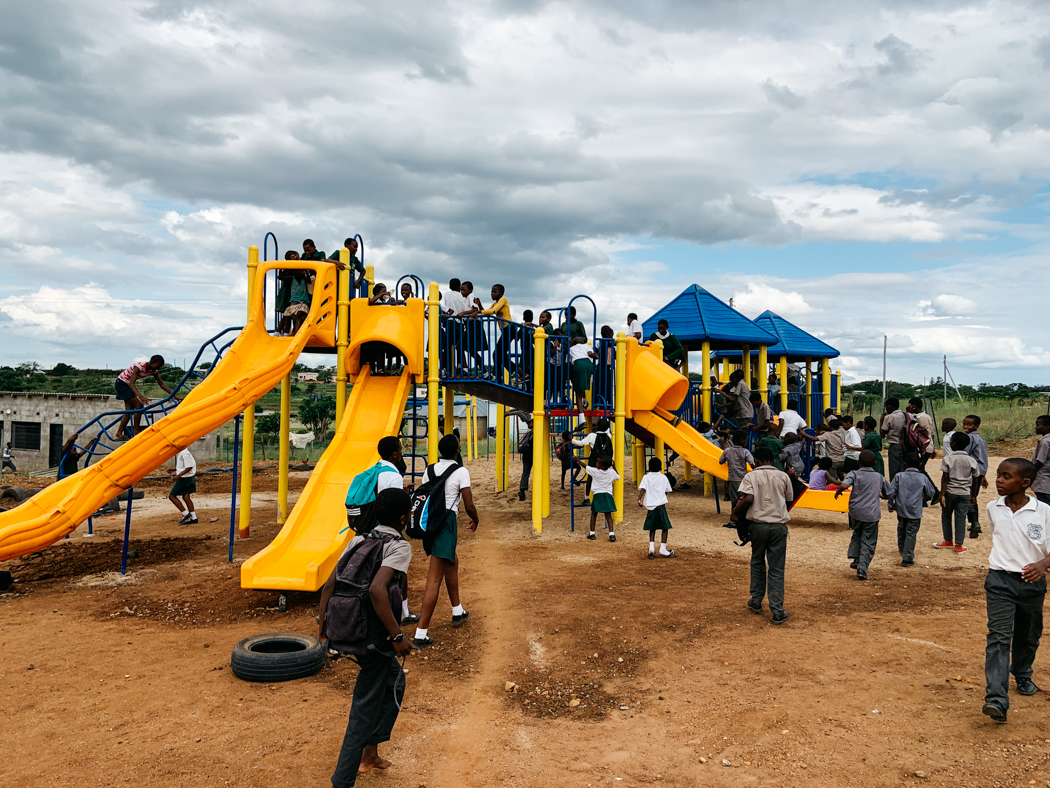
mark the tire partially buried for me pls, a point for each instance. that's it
(278, 656)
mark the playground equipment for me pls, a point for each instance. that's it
(513, 365)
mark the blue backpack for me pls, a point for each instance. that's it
(362, 490)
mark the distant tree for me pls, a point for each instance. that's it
(11, 380)
(311, 387)
(268, 427)
(28, 367)
(61, 370)
(324, 375)
(317, 414)
(204, 365)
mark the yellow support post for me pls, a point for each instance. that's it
(546, 477)
(501, 445)
(723, 370)
(539, 447)
(370, 277)
(635, 465)
(838, 390)
(474, 427)
(809, 393)
(745, 363)
(434, 376)
(282, 449)
(248, 446)
(450, 409)
(783, 375)
(342, 337)
(705, 400)
(825, 384)
(619, 421)
(763, 373)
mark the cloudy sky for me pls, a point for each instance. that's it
(861, 168)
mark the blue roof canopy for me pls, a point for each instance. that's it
(793, 342)
(696, 315)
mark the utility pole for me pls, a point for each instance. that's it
(884, 344)
(945, 379)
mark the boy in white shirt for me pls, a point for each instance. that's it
(602, 478)
(652, 495)
(1015, 587)
(634, 326)
(185, 474)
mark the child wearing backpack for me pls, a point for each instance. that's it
(365, 489)
(602, 476)
(652, 495)
(867, 485)
(563, 451)
(910, 490)
(453, 480)
(373, 635)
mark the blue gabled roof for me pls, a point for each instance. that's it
(695, 315)
(793, 342)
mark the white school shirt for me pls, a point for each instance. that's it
(602, 480)
(185, 460)
(454, 301)
(389, 481)
(591, 437)
(1018, 538)
(792, 422)
(948, 450)
(853, 439)
(656, 487)
(457, 481)
(635, 328)
(576, 352)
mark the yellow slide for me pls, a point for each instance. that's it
(306, 550)
(693, 447)
(254, 364)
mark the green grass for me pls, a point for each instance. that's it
(1001, 419)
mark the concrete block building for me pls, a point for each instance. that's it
(38, 423)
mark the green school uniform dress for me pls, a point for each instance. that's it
(602, 486)
(776, 446)
(874, 442)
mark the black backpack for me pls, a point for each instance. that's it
(603, 447)
(351, 622)
(428, 506)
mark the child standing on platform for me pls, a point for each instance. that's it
(736, 458)
(910, 490)
(602, 478)
(652, 495)
(866, 486)
(977, 449)
(1015, 587)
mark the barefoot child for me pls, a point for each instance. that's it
(910, 490)
(602, 477)
(652, 495)
(867, 486)
(380, 686)
(1015, 586)
(185, 474)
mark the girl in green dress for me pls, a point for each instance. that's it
(874, 442)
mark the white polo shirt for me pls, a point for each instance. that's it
(1018, 538)
(636, 328)
(792, 422)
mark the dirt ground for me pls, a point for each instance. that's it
(126, 681)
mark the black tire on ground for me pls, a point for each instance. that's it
(139, 494)
(278, 656)
(16, 494)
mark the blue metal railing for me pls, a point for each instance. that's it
(103, 440)
(488, 349)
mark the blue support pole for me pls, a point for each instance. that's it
(127, 533)
(233, 500)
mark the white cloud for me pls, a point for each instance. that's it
(760, 296)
